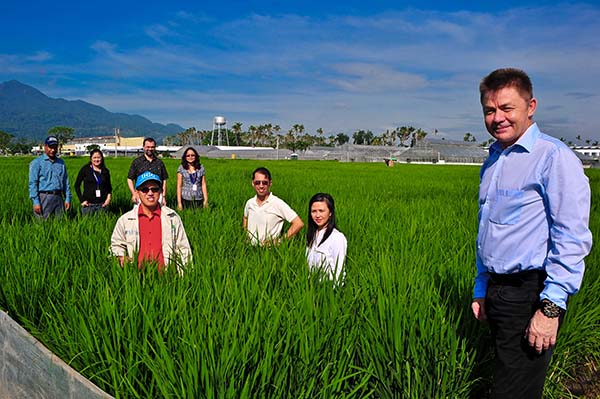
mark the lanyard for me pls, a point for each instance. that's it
(97, 177)
(194, 177)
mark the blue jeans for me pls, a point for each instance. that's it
(92, 209)
(510, 302)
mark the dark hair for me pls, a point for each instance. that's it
(97, 150)
(506, 77)
(262, 171)
(311, 232)
(148, 139)
(184, 161)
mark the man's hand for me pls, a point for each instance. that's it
(134, 198)
(478, 307)
(542, 331)
(123, 259)
(37, 209)
(67, 206)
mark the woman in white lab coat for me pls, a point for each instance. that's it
(325, 244)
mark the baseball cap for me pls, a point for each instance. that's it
(51, 140)
(144, 177)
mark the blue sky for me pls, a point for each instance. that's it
(340, 66)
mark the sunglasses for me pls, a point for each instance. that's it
(146, 189)
(190, 155)
(260, 182)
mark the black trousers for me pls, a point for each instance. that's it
(511, 301)
(193, 204)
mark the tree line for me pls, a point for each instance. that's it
(10, 145)
(296, 138)
(267, 135)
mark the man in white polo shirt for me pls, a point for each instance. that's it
(265, 213)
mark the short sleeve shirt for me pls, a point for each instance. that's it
(188, 181)
(141, 165)
(265, 222)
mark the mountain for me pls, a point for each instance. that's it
(26, 112)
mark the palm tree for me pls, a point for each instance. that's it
(253, 132)
(404, 133)
(237, 131)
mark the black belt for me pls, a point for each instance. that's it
(53, 192)
(517, 279)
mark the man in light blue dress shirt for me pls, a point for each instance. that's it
(49, 182)
(534, 204)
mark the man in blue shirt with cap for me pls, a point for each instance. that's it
(48, 182)
(534, 206)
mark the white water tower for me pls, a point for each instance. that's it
(219, 123)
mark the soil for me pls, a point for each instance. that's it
(586, 381)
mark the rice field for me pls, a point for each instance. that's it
(248, 322)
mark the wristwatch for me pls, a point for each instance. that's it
(550, 309)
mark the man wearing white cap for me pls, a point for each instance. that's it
(152, 232)
(48, 182)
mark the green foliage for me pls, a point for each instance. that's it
(92, 147)
(469, 138)
(362, 137)
(248, 322)
(341, 138)
(63, 134)
(5, 140)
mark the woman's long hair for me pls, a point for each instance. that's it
(184, 161)
(94, 151)
(311, 232)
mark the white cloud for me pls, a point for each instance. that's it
(363, 77)
(340, 72)
(39, 56)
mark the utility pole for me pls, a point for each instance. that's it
(117, 133)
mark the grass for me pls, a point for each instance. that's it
(247, 322)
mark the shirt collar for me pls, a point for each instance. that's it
(526, 141)
(268, 199)
(155, 212)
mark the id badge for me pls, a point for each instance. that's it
(195, 187)
(97, 193)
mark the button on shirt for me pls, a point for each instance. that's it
(48, 175)
(534, 205)
(150, 238)
(265, 221)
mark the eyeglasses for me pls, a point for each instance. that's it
(260, 182)
(146, 189)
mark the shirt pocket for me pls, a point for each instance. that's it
(507, 207)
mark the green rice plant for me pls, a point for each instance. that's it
(246, 322)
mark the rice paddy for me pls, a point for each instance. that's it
(248, 322)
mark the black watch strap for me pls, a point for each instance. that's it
(550, 309)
